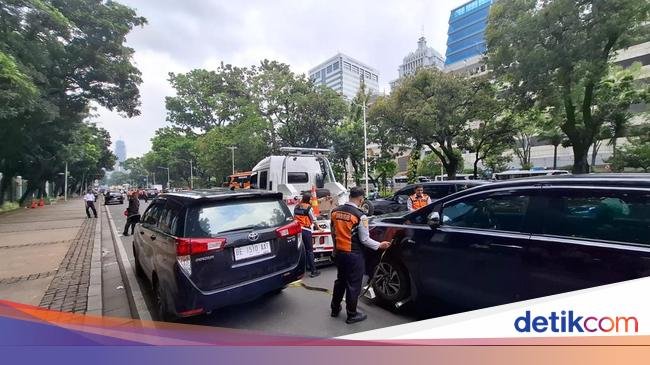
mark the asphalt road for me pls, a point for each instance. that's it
(296, 310)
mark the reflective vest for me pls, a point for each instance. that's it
(345, 224)
(420, 202)
(301, 214)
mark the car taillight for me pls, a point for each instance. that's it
(290, 229)
(193, 246)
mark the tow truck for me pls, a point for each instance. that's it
(293, 173)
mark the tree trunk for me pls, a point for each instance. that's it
(476, 168)
(4, 185)
(555, 157)
(580, 164)
(594, 154)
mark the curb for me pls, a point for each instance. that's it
(95, 296)
(136, 299)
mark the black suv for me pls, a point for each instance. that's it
(113, 196)
(517, 240)
(436, 190)
(205, 249)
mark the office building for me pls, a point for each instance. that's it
(120, 152)
(344, 75)
(423, 57)
(466, 37)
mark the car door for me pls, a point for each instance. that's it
(147, 231)
(589, 236)
(474, 258)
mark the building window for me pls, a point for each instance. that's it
(346, 65)
(329, 68)
(355, 69)
(335, 66)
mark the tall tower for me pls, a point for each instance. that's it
(120, 152)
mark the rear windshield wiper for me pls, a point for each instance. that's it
(241, 228)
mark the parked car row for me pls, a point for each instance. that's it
(476, 245)
(516, 240)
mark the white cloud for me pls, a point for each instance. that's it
(193, 33)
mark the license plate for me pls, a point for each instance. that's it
(254, 250)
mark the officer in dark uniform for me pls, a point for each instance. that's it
(350, 231)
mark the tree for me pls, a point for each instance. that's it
(556, 53)
(58, 57)
(172, 149)
(429, 165)
(433, 109)
(635, 155)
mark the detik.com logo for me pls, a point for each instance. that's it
(568, 322)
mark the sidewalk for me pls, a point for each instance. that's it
(52, 257)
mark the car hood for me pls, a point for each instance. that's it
(387, 217)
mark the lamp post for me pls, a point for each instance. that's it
(365, 144)
(166, 168)
(65, 183)
(191, 173)
(232, 157)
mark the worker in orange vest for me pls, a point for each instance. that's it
(304, 215)
(418, 200)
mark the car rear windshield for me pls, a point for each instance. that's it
(215, 219)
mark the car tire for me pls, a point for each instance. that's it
(367, 208)
(139, 271)
(162, 313)
(391, 282)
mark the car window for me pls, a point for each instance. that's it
(297, 177)
(436, 191)
(152, 214)
(211, 220)
(263, 180)
(169, 218)
(599, 214)
(503, 212)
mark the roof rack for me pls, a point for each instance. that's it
(304, 151)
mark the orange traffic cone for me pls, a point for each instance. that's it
(33, 204)
(41, 203)
(314, 201)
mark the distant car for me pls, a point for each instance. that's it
(206, 249)
(152, 193)
(113, 196)
(517, 240)
(436, 190)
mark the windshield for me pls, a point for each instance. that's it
(212, 220)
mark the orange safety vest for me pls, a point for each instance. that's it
(301, 214)
(344, 224)
(420, 202)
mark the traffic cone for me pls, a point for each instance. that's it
(314, 201)
(33, 204)
(41, 203)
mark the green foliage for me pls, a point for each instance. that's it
(555, 54)
(429, 165)
(56, 58)
(635, 155)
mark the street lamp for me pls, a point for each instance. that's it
(232, 157)
(365, 143)
(166, 168)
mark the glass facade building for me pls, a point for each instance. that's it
(466, 35)
(344, 75)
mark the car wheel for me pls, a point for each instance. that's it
(367, 208)
(391, 282)
(162, 313)
(138, 267)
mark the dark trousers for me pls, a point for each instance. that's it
(309, 249)
(131, 221)
(349, 274)
(90, 206)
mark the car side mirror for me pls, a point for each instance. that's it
(434, 220)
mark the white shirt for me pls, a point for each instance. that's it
(90, 197)
(364, 233)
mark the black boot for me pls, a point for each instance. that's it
(356, 317)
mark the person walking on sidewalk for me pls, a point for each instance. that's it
(132, 213)
(90, 203)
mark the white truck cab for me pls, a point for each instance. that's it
(294, 173)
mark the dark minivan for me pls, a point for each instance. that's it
(206, 249)
(517, 240)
